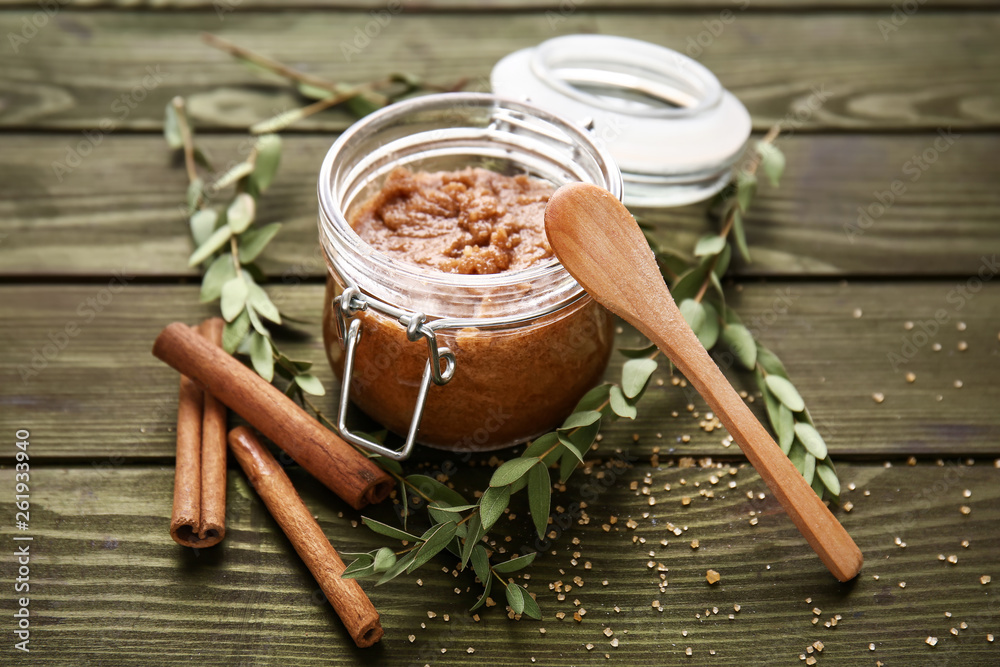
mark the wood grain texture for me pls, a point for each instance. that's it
(225, 7)
(121, 208)
(102, 395)
(101, 559)
(116, 71)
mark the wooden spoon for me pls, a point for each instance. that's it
(599, 243)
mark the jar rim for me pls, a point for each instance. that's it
(337, 235)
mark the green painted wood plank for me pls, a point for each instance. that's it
(836, 70)
(101, 394)
(108, 586)
(120, 207)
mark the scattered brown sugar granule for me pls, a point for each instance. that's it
(931, 641)
(911, 377)
(695, 544)
(712, 577)
(965, 509)
(878, 397)
(985, 579)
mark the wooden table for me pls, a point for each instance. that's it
(91, 236)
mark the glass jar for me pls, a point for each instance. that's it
(460, 362)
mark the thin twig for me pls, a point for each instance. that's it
(267, 63)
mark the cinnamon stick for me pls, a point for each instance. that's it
(344, 470)
(273, 486)
(213, 453)
(199, 512)
(186, 517)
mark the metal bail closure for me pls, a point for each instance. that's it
(348, 304)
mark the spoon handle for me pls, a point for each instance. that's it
(828, 538)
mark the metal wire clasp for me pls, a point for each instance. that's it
(350, 302)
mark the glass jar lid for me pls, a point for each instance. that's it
(674, 131)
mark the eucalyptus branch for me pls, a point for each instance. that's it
(707, 314)
(361, 98)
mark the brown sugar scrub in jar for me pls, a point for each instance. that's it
(445, 307)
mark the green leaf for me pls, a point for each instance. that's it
(577, 434)
(203, 224)
(278, 122)
(435, 539)
(492, 505)
(809, 468)
(746, 188)
(234, 298)
(595, 399)
(253, 241)
(670, 261)
(722, 263)
(397, 569)
(435, 490)
(512, 471)
(256, 322)
(514, 564)
(486, 593)
(261, 356)
(785, 428)
(218, 239)
(772, 161)
(515, 598)
(797, 455)
(620, 404)
(195, 192)
(385, 558)
(693, 313)
(786, 392)
(740, 235)
(235, 173)
(201, 158)
(472, 537)
(811, 440)
(739, 339)
(578, 419)
(456, 509)
(635, 375)
(234, 332)
(571, 457)
(531, 608)
(689, 283)
(268, 157)
(314, 92)
(262, 303)
(359, 568)
(542, 444)
(637, 352)
(828, 475)
(412, 81)
(364, 102)
(539, 498)
(172, 127)
(770, 363)
(240, 214)
(219, 272)
(708, 333)
(310, 384)
(817, 484)
(387, 530)
(709, 245)
(481, 563)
